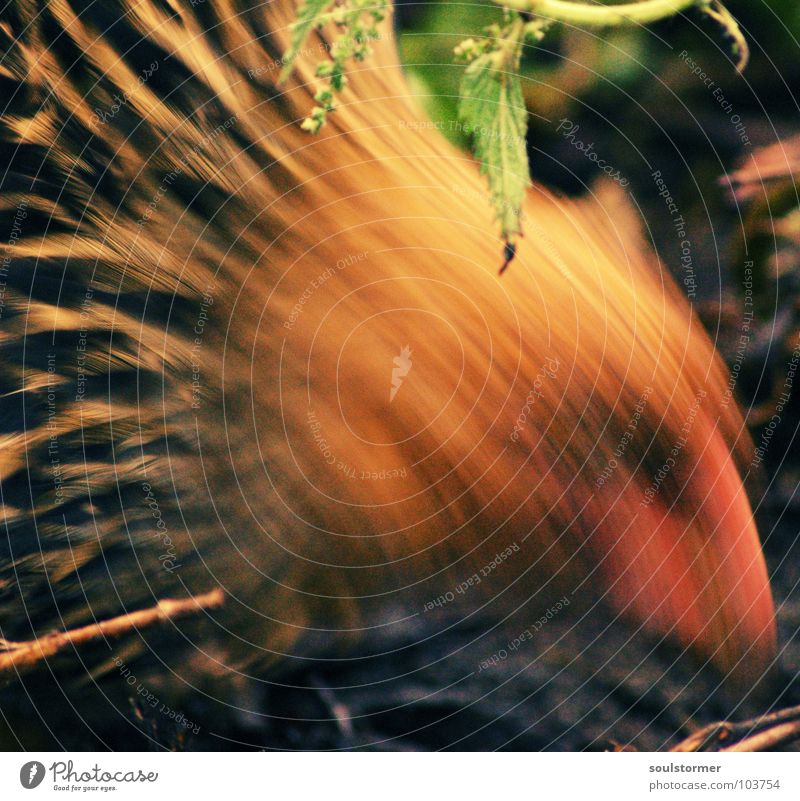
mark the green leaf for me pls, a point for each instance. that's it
(493, 111)
(309, 16)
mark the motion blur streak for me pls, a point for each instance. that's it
(201, 314)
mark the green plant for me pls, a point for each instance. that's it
(491, 108)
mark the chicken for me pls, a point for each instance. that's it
(240, 357)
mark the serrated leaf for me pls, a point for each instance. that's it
(493, 112)
(309, 15)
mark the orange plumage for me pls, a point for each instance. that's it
(302, 347)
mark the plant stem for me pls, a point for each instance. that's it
(17, 657)
(510, 46)
(642, 12)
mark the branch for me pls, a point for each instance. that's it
(26, 655)
(758, 734)
(642, 12)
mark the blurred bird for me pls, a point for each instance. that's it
(202, 307)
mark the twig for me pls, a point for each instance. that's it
(340, 712)
(771, 738)
(758, 734)
(25, 655)
(642, 12)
